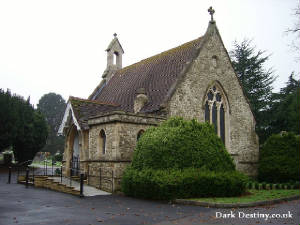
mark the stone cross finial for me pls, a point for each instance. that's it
(115, 34)
(211, 12)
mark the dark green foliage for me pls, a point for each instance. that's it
(284, 111)
(8, 116)
(181, 159)
(53, 106)
(279, 159)
(178, 144)
(57, 171)
(249, 185)
(256, 186)
(58, 157)
(187, 183)
(25, 128)
(256, 81)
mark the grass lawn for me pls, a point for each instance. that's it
(252, 196)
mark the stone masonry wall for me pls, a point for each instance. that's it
(121, 139)
(188, 98)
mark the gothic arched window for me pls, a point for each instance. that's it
(215, 110)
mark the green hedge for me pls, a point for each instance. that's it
(179, 144)
(187, 183)
(279, 159)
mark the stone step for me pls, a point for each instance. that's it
(24, 182)
(47, 182)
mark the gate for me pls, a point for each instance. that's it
(75, 166)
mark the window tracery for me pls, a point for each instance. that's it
(215, 110)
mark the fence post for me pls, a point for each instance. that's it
(46, 167)
(27, 176)
(112, 181)
(9, 175)
(18, 173)
(61, 174)
(81, 185)
(100, 179)
(70, 177)
(88, 175)
(33, 175)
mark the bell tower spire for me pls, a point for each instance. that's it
(114, 58)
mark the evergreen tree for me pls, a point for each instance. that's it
(31, 131)
(53, 106)
(21, 126)
(256, 81)
(7, 118)
(285, 109)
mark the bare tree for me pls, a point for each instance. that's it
(295, 30)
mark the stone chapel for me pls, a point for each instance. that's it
(193, 80)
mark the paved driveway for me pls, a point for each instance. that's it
(33, 206)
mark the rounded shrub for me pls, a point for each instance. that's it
(181, 159)
(179, 144)
(279, 159)
(186, 183)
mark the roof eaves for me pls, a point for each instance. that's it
(65, 119)
(73, 99)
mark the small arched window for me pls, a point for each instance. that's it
(215, 61)
(115, 59)
(140, 133)
(215, 110)
(102, 142)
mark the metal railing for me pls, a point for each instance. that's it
(26, 173)
(104, 175)
(103, 178)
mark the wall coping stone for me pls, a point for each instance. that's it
(115, 161)
(126, 117)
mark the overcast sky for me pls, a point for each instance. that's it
(59, 45)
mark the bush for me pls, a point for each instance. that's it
(58, 157)
(187, 183)
(279, 159)
(179, 144)
(181, 159)
(57, 171)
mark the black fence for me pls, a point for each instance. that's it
(102, 175)
(25, 173)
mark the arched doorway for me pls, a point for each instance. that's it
(75, 161)
(73, 152)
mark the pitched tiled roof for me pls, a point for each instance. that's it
(156, 75)
(83, 109)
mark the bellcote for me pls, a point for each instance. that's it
(114, 53)
(114, 58)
